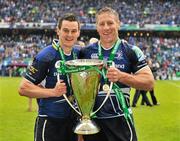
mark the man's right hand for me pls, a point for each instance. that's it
(60, 89)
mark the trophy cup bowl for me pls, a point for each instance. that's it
(85, 85)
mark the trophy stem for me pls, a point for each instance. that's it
(86, 126)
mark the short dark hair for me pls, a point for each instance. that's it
(68, 17)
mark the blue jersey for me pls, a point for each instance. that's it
(43, 70)
(128, 59)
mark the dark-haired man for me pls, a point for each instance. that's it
(54, 121)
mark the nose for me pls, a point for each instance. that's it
(69, 34)
(106, 26)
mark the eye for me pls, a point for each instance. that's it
(101, 24)
(66, 30)
(110, 23)
(74, 31)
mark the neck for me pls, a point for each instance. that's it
(66, 49)
(108, 45)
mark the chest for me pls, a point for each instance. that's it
(120, 58)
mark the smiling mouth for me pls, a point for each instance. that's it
(69, 39)
(106, 33)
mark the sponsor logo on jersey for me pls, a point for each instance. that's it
(94, 56)
(56, 73)
(32, 69)
(57, 65)
(119, 55)
(120, 66)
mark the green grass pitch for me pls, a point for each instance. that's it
(157, 123)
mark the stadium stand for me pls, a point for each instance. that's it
(25, 27)
(131, 12)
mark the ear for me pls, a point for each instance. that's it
(119, 24)
(57, 31)
(97, 29)
(79, 33)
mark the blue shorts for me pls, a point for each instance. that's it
(52, 129)
(113, 129)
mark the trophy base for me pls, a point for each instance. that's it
(86, 127)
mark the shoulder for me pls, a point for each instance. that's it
(46, 54)
(89, 50)
(76, 48)
(126, 45)
(133, 50)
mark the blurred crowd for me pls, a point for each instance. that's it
(16, 53)
(131, 11)
(163, 53)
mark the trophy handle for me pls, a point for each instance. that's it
(65, 97)
(105, 99)
(108, 94)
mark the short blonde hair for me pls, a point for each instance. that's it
(107, 10)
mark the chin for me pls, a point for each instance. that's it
(107, 40)
(69, 44)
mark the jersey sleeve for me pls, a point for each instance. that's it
(136, 58)
(37, 71)
(40, 66)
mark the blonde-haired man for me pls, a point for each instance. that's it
(130, 70)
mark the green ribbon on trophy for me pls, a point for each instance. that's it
(116, 88)
(121, 99)
(63, 69)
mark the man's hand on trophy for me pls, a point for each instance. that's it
(113, 74)
(60, 88)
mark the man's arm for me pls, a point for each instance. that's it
(142, 79)
(29, 89)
